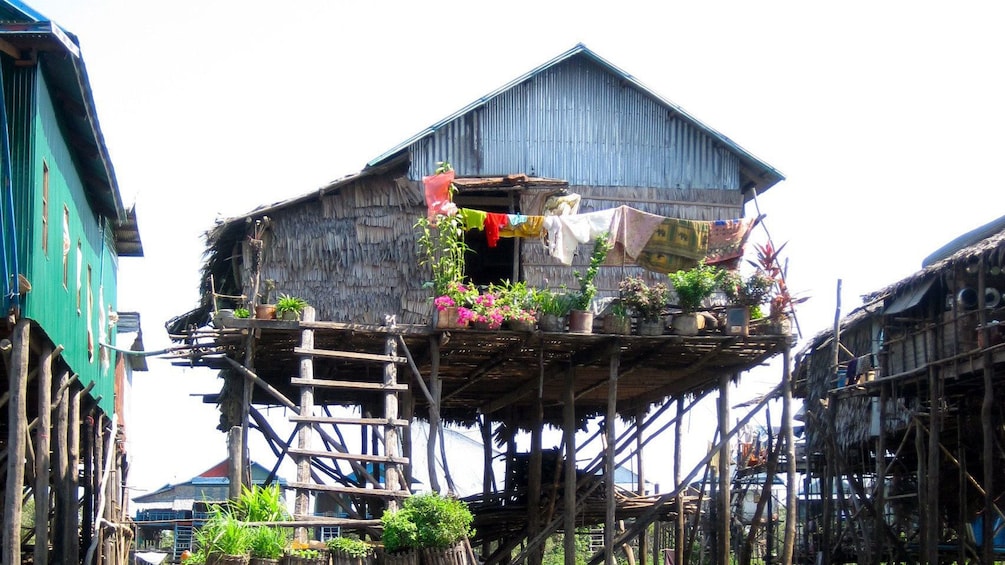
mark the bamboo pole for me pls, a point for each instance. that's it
(71, 538)
(17, 375)
(987, 425)
(61, 452)
(934, 464)
(641, 490)
(534, 477)
(235, 452)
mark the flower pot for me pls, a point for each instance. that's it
(738, 320)
(221, 559)
(618, 325)
(581, 322)
(410, 557)
(521, 325)
(453, 555)
(289, 315)
(445, 318)
(265, 311)
(483, 325)
(551, 323)
(263, 561)
(651, 327)
(221, 317)
(688, 324)
(343, 558)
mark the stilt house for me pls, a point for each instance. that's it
(902, 407)
(63, 228)
(576, 124)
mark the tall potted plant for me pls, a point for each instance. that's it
(442, 249)
(581, 317)
(745, 297)
(692, 287)
(435, 525)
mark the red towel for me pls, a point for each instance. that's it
(493, 222)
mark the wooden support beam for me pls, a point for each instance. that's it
(17, 377)
(434, 411)
(534, 473)
(60, 450)
(643, 541)
(348, 420)
(370, 458)
(71, 538)
(677, 437)
(725, 522)
(348, 385)
(791, 517)
(376, 492)
(235, 453)
(987, 424)
(351, 355)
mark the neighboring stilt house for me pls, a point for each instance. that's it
(576, 127)
(62, 230)
(903, 416)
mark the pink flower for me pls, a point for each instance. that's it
(464, 315)
(443, 302)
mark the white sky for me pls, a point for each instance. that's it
(886, 118)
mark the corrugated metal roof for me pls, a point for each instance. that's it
(459, 134)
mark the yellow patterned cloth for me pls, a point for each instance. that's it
(675, 245)
(532, 226)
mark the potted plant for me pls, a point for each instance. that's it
(303, 556)
(781, 303)
(242, 313)
(266, 545)
(516, 303)
(552, 308)
(692, 287)
(617, 319)
(745, 297)
(648, 303)
(350, 551)
(223, 539)
(290, 307)
(442, 248)
(266, 310)
(580, 316)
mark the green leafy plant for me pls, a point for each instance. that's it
(694, 285)
(305, 553)
(223, 533)
(646, 301)
(549, 302)
(261, 504)
(267, 542)
(751, 291)
(242, 313)
(426, 521)
(290, 304)
(352, 547)
(587, 288)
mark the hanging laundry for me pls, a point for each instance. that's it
(437, 192)
(631, 229)
(515, 219)
(565, 233)
(531, 226)
(562, 205)
(675, 245)
(473, 219)
(493, 222)
(726, 239)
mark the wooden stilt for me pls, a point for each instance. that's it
(788, 547)
(392, 446)
(302, 504)
(725, 522)
(679, 531)
(934, 464)
(17, 375)
(87, 455)
(42, 465)
(534, 477)
(61, 455)
(569, 491)
(879, 488)
(643, 542)
(609, 421)
(407, 414)
(235, 453)
(71, 538)
(434, 411)
(987, 425)
(99, 458)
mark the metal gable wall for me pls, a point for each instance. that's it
(577, 121)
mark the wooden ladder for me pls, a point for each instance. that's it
(394, 488)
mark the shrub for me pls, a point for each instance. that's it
(427, 521)
(350, 546)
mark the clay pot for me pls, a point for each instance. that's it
(651, 327)
(581, 322)
(265, 311)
